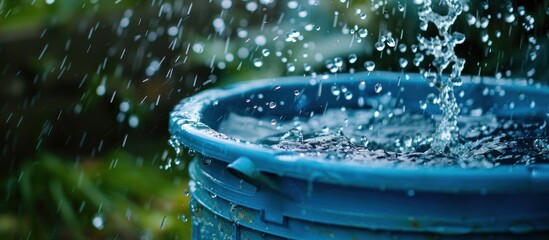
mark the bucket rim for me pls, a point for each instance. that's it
(186, 127)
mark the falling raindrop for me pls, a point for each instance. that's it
(402, 47)
(379, 46)
(363, 32)
(335, 90)
(98, 221)
(378, 88)
(401, 7)
(257, 62)
(348, 95)
(290, 67)
(338, 62)
(369, 65)
(390, 42)
(362, 85)
(403, 62)
(352, 58)
(509, 18)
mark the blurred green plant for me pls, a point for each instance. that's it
(120, 196)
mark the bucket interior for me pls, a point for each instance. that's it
(302, 97)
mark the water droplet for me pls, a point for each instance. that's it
(422, 105)
(198, 47)
(413, 47)
(273, 122)
(251, 6)
(257, 62)
(471, 19)
(133, 121)
(509, 18)
(361, 102)
(423, 26)
(403, 62)
(390, 41)
(226, 4)
(218, 24)
(402, 47)
(307, 67)
(101, 89)
(338, 62)
(369, 65)
(401, 7)
(125, 22)
(293, 135)
(124, 106)
(293, 36)
(296, 92)
(379, 46)
(292, 4)
(378, 88)
(331, 66)
(418, 59)
(265, 52)
(98, 221)
(362, 85)
(290, 67)
(352, 58)
(458, 37)
(335, 90)
(363, 32)
(484, 36)
(348, 95)
(173, 31)
(272, 105)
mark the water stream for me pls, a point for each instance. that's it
(441, 47)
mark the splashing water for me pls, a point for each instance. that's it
(388, 136)
(441, 47)
(468, 140)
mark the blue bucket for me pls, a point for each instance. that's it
(246, 191)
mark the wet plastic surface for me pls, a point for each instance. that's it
(277, 193)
